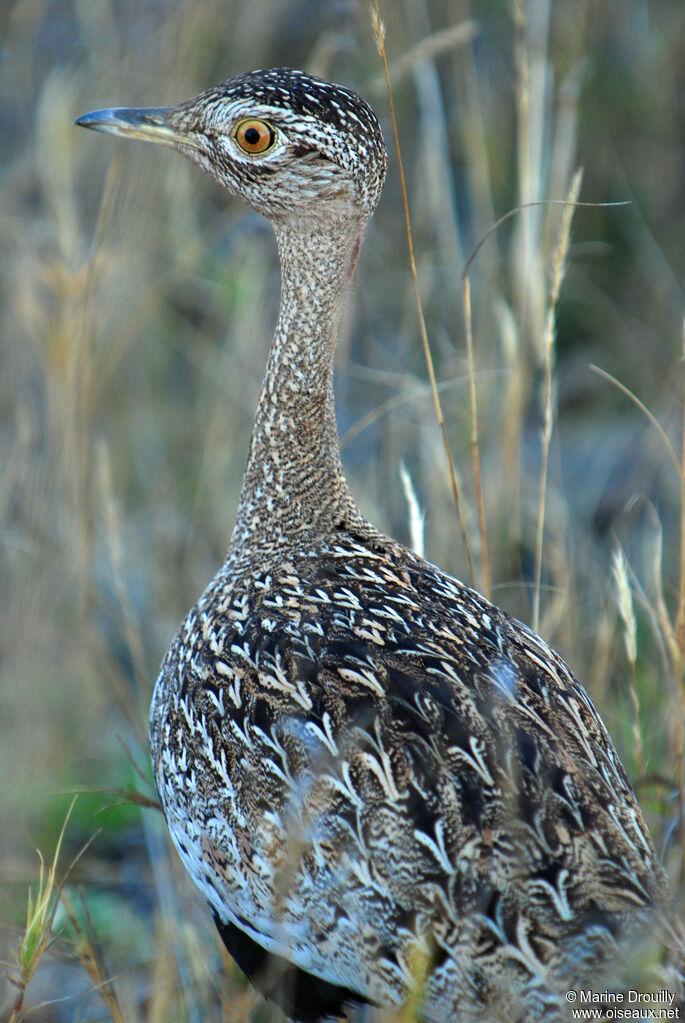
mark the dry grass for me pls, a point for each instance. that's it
(137, 303)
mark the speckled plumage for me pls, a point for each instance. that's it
(371, 772)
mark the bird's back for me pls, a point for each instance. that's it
(374, 773)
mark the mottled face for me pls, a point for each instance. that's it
(281, 140)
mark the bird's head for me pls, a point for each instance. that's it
(281, 140)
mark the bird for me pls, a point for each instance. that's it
(389, 791)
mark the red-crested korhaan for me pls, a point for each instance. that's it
(385, 787)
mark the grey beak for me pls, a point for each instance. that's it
(150, 124)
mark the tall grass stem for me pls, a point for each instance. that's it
(379, 34)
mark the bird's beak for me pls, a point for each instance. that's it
(150, 124)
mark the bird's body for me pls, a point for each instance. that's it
(371, 768)
(384, 786)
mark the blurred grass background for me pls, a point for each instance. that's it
(137, 302)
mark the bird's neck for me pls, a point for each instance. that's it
(294, 487)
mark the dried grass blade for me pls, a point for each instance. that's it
(624, 599)
(91, 957)
(378, 30)
(643, 408)
(475, 454)
(558, 268)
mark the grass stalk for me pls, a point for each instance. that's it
(134, 641)
(475, 453)
(379, 34)
(416, 516)
(680, 619)
(672, 631)
(91, 957)
(558, 267)
(40, 917)
(643, 408)
(83, 377)
(680, 640)
(626, 610)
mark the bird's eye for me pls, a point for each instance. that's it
(254, 136)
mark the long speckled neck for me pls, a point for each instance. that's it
(294, 484)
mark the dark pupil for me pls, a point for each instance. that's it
(252, 136)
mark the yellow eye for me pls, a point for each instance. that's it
(254, 136)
